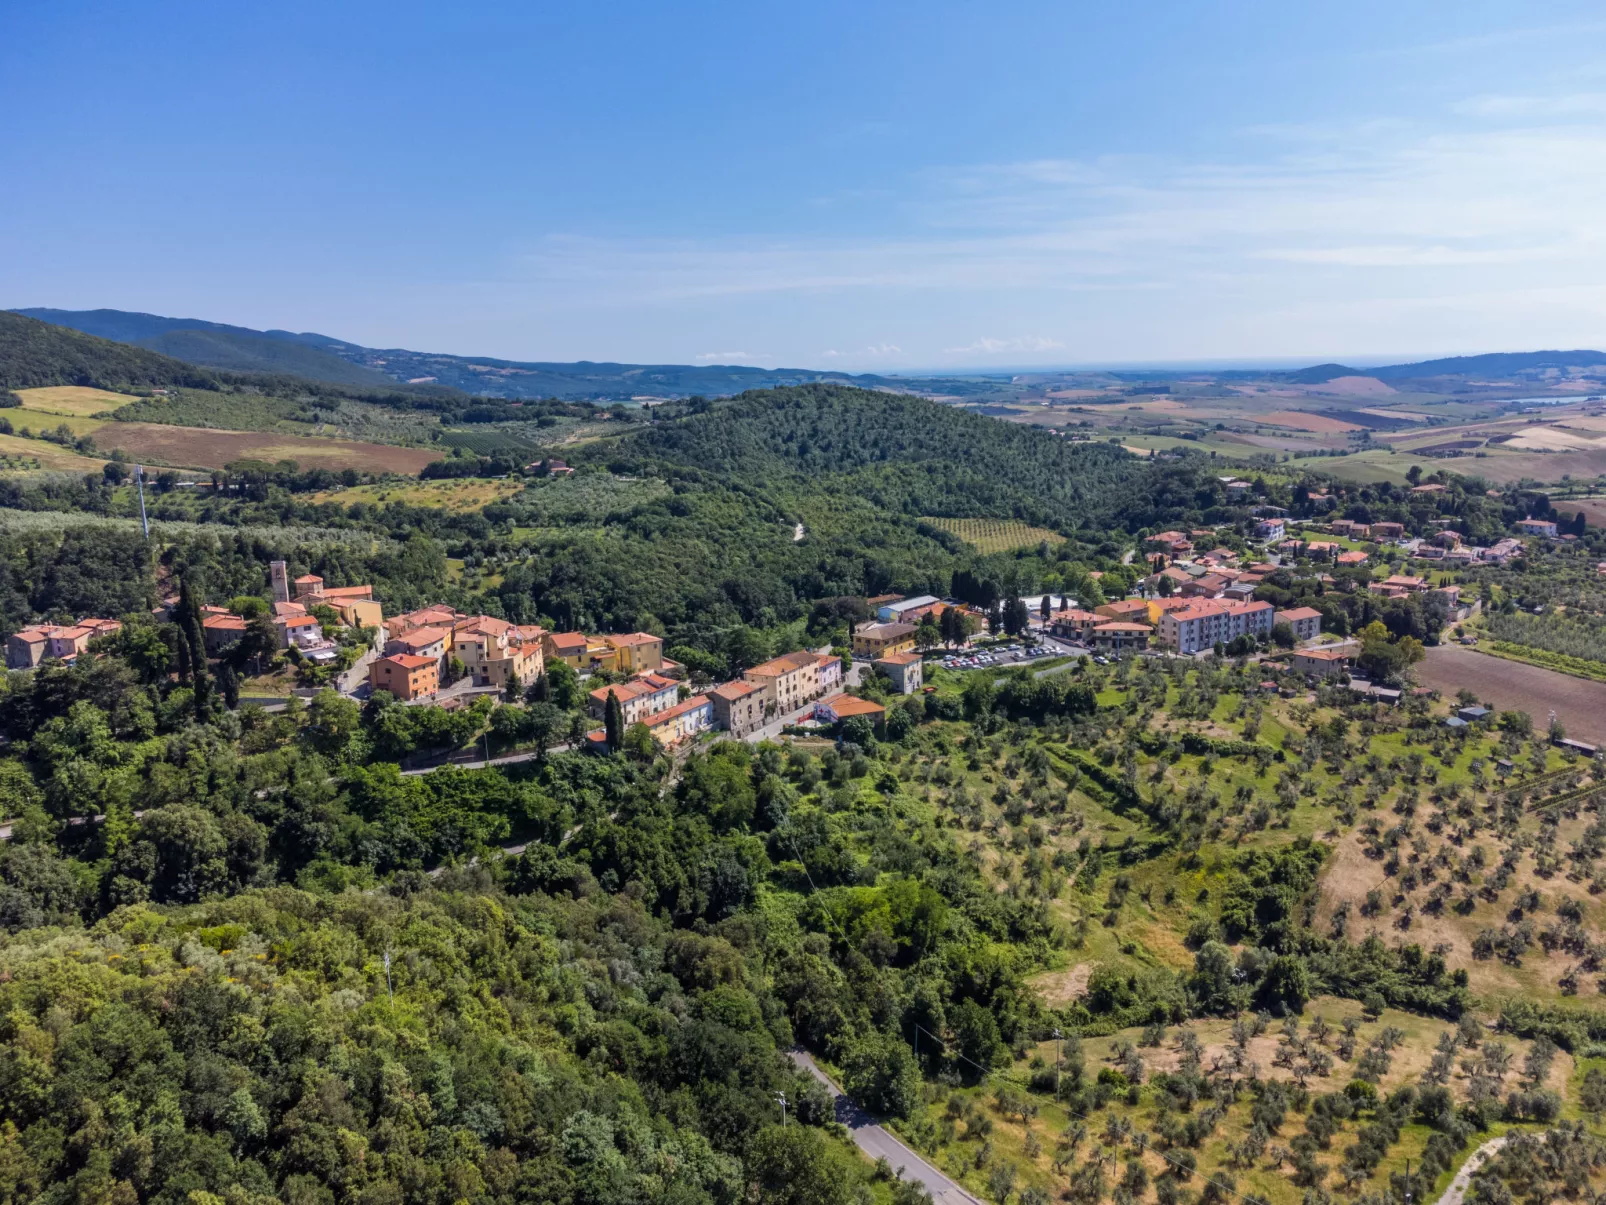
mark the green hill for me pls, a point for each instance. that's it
(35, 354)
(238, 352)
(919, 457)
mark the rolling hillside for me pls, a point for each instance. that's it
(35, 354)
(242, 349)
(233, 352)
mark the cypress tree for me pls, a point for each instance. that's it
(613, 722)
(228, 684)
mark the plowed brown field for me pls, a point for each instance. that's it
(1510, 685)
(203, 448)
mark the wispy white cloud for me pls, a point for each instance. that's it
(1501, 198)
(726, 357)
(1569, 104)
(1005, 347)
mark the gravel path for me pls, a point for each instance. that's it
(1463, 1178)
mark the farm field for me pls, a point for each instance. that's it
(996, 535)
(198, 447)
(73, 399)
(1042, 1138)
(457, 496)
(14, 448)
(1145, 833)
(1579, 704)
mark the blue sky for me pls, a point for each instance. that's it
(888, 187)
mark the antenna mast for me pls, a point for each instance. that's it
(139, 480)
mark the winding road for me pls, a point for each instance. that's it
(880, 1143)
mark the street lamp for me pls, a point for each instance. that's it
(780, 1099)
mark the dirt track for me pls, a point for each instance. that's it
(1579, 704)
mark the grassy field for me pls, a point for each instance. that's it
(39, 453)
(1372, 465)
(996, 535)
(73, 400)
(584, 498)
(205, 448)
(458, 496)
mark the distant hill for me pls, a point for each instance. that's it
(235, 352)
(128, 326)
(241, 349)
(217, 345)
(1322, 373)
(1494, 364)
(34, 354)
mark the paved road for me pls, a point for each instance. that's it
(357, 675)
(1463, 1178)
(879, 1143)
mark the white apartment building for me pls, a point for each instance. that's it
(1203, 624)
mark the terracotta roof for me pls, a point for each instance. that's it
(1327, 654)
(1218, 606)
(308, 577)
(575, 641)
(1122, 627)
(846, 705)
(1301, 613)
(420, 638)
(789, 663)
(898, 659)
(647, 684)
(281, 609)
(631, 639)
(298, 621)
(407, 660)
(354, 592)
(675, 712)
(221, 623)
(487, 624)
(731, 691)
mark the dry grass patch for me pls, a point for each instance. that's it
(457, 496)
(49, 455)
(72, 399)
(1300, 421)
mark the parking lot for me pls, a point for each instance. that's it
(1004, 655)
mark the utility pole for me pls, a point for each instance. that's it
(1059, 1057)
(139, 480)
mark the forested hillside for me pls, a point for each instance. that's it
(35, 354)
(255, 354)
(917, 456)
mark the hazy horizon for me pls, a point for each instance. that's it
(927, 189)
